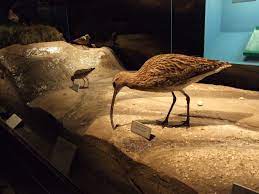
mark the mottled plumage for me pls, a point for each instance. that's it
(172, 71)
(81, 74)
(167, 73)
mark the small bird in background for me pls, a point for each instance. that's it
(83, 40)
(167, 73)
(12, 16)
(82, 74)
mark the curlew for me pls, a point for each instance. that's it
(167, 73)
(82, 74)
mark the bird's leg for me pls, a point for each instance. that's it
(187, 122)
(87, 82)
(84, 82)
(165, 122)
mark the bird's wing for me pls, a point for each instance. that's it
(173, 68)
(82, 72)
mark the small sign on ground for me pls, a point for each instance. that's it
(140, 129)
(239, 189)
(13, 121)
(63, 155)
(75, 87)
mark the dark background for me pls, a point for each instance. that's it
(100, 18)
(143, 28)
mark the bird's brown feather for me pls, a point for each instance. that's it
(171, 69)
(82, 72)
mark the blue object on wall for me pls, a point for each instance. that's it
(228, 27)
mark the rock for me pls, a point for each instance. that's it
(200, 103)
(22, 34)
(41, 67)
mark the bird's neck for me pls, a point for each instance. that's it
(133, 81)
(128, 78)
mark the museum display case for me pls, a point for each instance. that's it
(129, 97)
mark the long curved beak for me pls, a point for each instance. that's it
(112, 105)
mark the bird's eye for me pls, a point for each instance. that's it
(114, 85)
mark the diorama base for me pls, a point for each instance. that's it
(219, 148)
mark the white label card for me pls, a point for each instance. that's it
(140, 129)
(13, 121)
(75, 87)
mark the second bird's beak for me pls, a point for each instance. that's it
(116, 91)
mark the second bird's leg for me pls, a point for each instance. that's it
(165, 122)
(187, 122)
(84, 82)
(87, 82)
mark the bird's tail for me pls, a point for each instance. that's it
(222, 65)
(225, 64)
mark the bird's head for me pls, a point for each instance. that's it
(87, 37)
(119, 81)
(72, 78)
(91, 69)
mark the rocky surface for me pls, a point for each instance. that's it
(40, 67)
(221, 146)
(97, 162)
(23, 34)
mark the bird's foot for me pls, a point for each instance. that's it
(186, 123)
(163, 123)
(116, 126)
(83, 87)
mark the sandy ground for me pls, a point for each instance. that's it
(220, 148)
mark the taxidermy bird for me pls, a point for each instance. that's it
(12, 16)
(167, 73)
(82, 74)
(83, 40)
